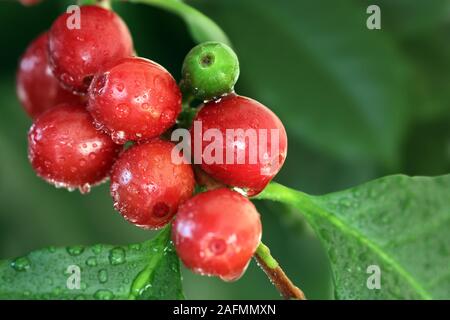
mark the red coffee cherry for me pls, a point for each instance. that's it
(66, 150)
(137, 99)
(77, 54)
(147, 186)
(37, 87)
(249, 133)
(216, 233)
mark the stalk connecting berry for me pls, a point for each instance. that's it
(37, 87)
(66, 150)
(216, 233)
(136, 99)
(210, 70)
(146, 185)
(254, 142)
(80, 48)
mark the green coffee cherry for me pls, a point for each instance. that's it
(210, 70)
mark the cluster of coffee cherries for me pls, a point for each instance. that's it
(100, 112)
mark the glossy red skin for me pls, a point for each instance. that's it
(76, 55)
(238, 112)
(216, 233)
(147, 187)
(37, 88)
(136, 100)
(66, 150)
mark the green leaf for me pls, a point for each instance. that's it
(397, 223)
(407, 18)
(335, 84)
(200, 26)
(149, 270)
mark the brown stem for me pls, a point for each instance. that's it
(276, 275)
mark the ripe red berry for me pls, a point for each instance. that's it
(216, 233)
(78, 52)
(137, 99)
(37, 87)
(147, 186)
(253, 142)
(66, 150)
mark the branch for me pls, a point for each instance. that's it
(276, 275)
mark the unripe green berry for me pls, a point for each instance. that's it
(210, 70)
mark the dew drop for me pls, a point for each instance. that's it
(103, 294)
(217, 246)
(21, 264)
(97, 249)
(75, 250)
(85, 188)
(145, 106)
(102, 276)
(91, 261)
(122, 111)
(117, 256)
(118, 137)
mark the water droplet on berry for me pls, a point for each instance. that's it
(99, 126)
(234, 277)
(145, 106)
(122, 111)
(217, 246)
(66, 78)
(118, 137)
(21, 264)
(85, 188)
(167, 116)
(117, 256)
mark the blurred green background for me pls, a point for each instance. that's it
(357, 104)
